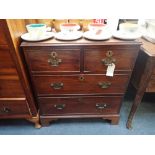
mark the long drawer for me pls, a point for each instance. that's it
(10, 87)
(80, 84)
(80, 105)
(13, 107)
(7, 65)
(97, 59)
(54, 60)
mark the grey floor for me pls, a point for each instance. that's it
(143, 124)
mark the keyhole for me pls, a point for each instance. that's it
(109, 53)
(81, 78)
(54, 54)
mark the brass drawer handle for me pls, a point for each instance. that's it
(101, 106)
(58, 85)
(109, 59)
(59, 106)
(5, 110)
(104, 85)
(54, 60)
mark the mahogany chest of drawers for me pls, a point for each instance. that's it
(12, 98)
(69, 78)
(16, 101)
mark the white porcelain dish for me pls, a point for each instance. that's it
(149, 36)
(47, 35)
(105, 35)
(127, 36)
(150, 26)
(68, 36)
(149, 39)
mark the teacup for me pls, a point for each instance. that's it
(57, 22)
(96, 28)
(128, 27)
(67, 28)
(36, 31)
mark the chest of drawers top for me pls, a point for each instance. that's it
(84, 42)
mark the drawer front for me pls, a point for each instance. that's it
(7, 65)
(13, 107)
(10, 87)
(97, 60)
(3, 39)
(80, 84)
(81, 105)
(56, 60)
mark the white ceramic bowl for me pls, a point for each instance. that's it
(96, 28)
(69, 27)
(36, 30)
(128, 27)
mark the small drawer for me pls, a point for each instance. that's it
(54, 60)
(13, 107)
(10, 87)
(3, 40)
(80, 105)
(96, 60)
(7, 65)
(80, 84)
